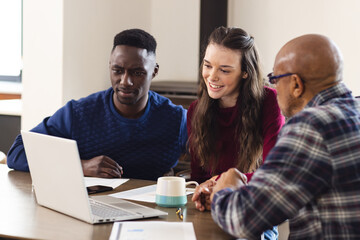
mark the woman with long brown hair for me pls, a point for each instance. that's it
(236, 119)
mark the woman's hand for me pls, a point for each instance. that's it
(201, 196)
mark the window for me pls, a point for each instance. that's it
(10, 40)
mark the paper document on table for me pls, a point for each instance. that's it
(152, 230)
(143, 194)
(110, 182)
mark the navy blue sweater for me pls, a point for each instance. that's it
(146, 147)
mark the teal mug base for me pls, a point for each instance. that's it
(166, 201)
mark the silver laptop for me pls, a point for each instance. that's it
(58, 181)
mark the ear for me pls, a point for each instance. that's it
(244, 75)
(297, 86)
(156, 70)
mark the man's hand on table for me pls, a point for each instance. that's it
(232, 178)
(101, 166)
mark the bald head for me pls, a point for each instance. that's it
(315, 58)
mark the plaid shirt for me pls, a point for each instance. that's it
(311, 176)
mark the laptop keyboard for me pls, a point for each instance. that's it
(105, 211)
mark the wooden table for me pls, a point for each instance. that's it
(22, 218)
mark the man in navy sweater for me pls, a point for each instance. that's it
(125, 131)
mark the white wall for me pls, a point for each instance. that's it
(42, 59)
(67, 46)
(273, 23)
(176, 26)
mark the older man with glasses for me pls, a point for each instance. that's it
(312, 175)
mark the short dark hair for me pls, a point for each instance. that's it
(135, 38)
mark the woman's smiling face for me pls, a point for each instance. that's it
(221, 72)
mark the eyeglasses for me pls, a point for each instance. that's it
(272, 78)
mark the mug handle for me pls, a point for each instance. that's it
(191, 189)
(191, 182)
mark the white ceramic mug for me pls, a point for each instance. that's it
(171, 191)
